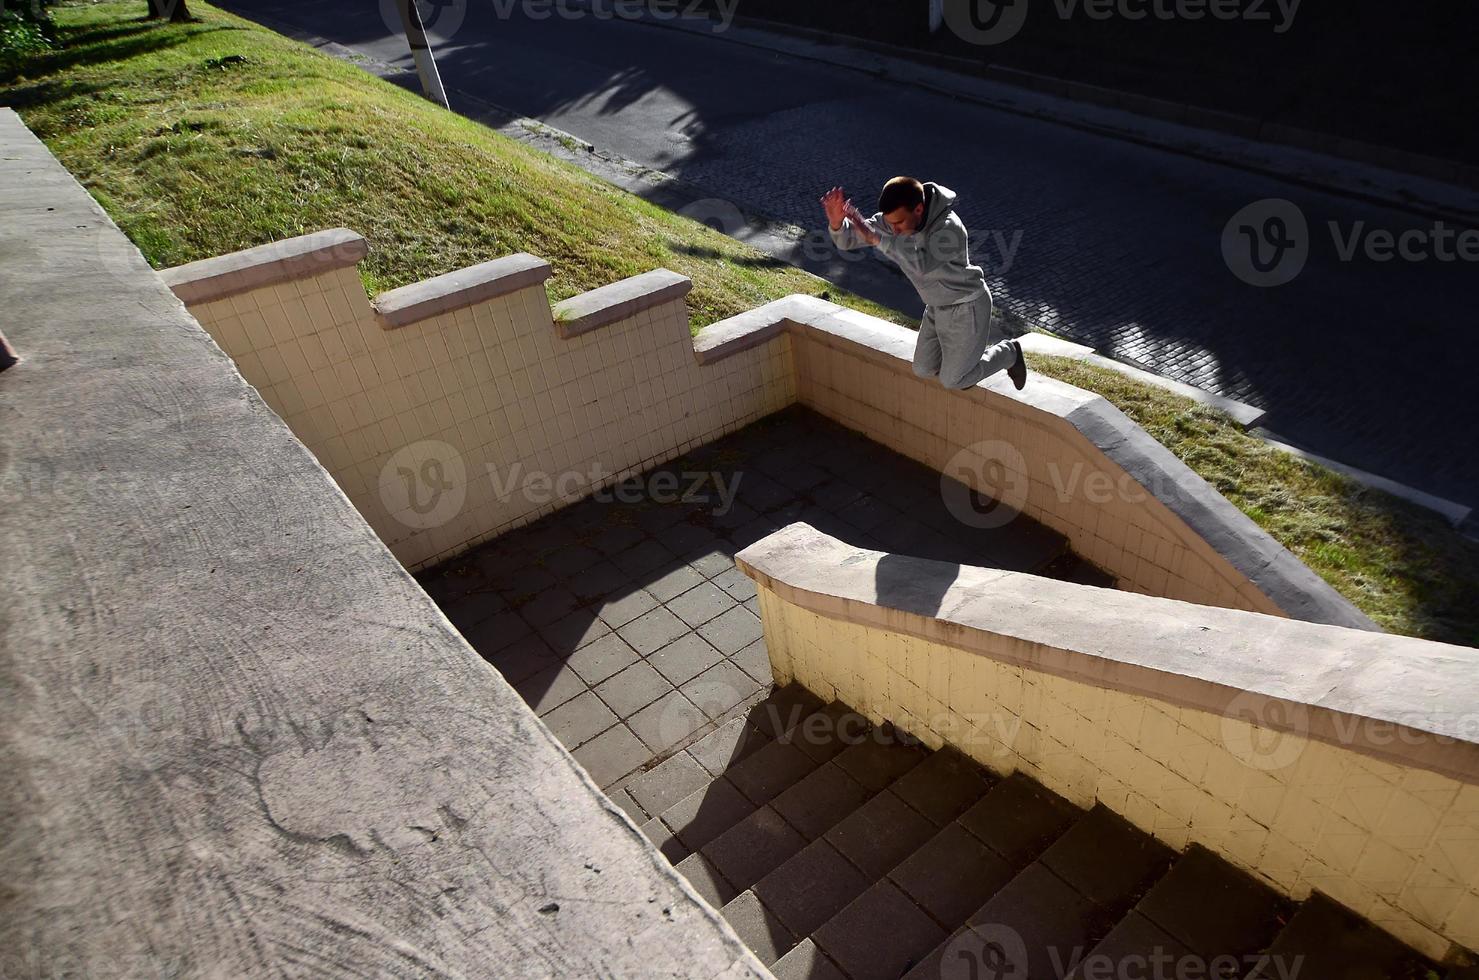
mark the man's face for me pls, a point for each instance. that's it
(905, 221)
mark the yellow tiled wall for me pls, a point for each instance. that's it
(490, 385)
(1071, 486)
(1398, 845)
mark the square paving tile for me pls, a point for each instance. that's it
(550, 688)
(707, 812)
(705, 878)
(812, 887)
(571, 559)
(602, 658)
(943, 786)
(880, 833)
(497, 631)
(668, 782)
(880, 758)
(599, 581)
(666, 722)
(685, 658)
(548, 605)
(1018, 819)
(624, 606)
(712, 563)
(719, 689)
(880, 935)
(652, 630)
(523, 658)
(806, 962)
(573, 630)
(1212, 907)
(701, 603)
(727, 744)
(952, 875)
(758, 927)
(819, 800)
(755, 661)
(579, 720)
(769, 770)
(642, 558)
(754, 847)
(673, 582)
(733, 631)
(1051, 924)
(633, 689)
(1108, 859)
(735, 582)
(611, 755)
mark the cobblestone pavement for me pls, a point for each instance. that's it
(625, 623)
(1107, 242)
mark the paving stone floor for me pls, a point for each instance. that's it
(625, 623)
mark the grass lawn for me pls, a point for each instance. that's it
(194, 156)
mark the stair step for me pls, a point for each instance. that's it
(879, 935)
(706, 813)
(952, 875)
(1324, 939)
(769, 770)
(880, 834)
(1213, 908)
(806, 962)
(1132, 941)
(1108, 860)
(880, 758)
(943, 786)
(753, 848)
(758, 927)
(812, 887)
(1018, 819)
(818, 801)
(728, 744)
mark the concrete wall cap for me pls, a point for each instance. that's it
(265, 265)
(1349, 687)
(618, 300)
(461, 288)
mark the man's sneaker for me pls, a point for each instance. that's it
(1018, 371)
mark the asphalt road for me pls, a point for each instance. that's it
(1362, 359)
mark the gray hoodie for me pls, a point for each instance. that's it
(936, 258)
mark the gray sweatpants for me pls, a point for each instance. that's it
(952, 340)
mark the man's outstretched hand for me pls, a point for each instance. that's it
(835, 205)
(839, 207)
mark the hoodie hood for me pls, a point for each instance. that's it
(939, 201)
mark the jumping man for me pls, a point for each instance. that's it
(916, 226)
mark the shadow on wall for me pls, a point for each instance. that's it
(913, 584)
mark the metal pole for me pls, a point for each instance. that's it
(426, 66)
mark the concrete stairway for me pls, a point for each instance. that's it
(837, 849)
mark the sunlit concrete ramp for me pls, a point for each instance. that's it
(237, 738)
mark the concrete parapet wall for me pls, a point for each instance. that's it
(237, 739)
(455, 409)
(1316, 757)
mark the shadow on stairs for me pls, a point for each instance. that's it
(839, 849)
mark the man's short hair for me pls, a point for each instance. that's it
(901, 192)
